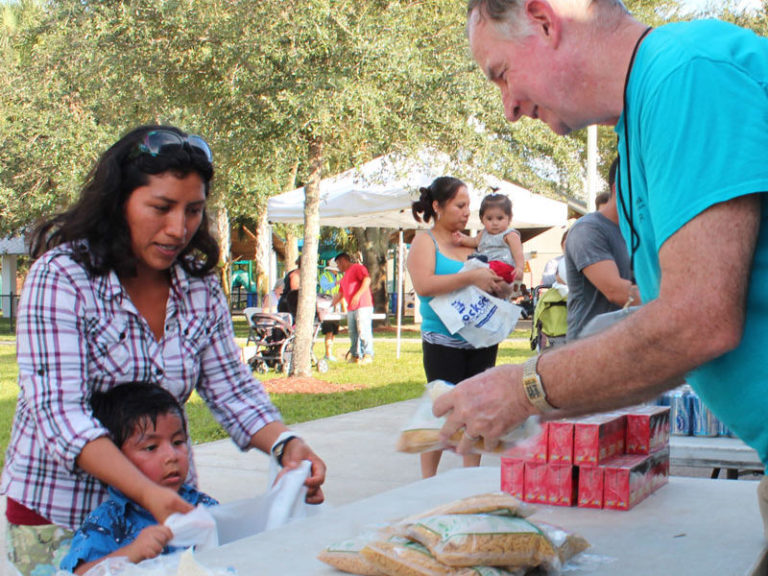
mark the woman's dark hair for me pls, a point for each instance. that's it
(123, 408)
(496, 200)
(98, 216)
(441, 190)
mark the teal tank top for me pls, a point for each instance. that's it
(430, 322)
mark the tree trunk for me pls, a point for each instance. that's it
(302, 352)
(373, 243)
(219, 223)
(263, 237)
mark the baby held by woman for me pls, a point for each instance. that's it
(498, 243)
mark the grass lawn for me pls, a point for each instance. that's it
(387, 380)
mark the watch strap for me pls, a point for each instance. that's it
(533, 388)
(278, 448)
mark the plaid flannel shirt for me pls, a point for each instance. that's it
(77, 334)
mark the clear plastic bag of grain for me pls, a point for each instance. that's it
(484, 540)
(347, 557)
(398, 556)
(422, 433)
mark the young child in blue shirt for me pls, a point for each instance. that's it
(147, 424)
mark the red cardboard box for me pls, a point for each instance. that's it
(598, 438)
(536, 482)
(659, 468)
(512, 477)
(627, 481)
(560, 441)
(647, 429)
(562, 484)
(531, 450)
(590, 487)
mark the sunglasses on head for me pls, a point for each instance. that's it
(158, 142)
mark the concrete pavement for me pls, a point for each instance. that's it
(358, 448)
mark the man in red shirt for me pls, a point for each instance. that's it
(355, 288)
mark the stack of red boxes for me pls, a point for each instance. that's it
(611, 460)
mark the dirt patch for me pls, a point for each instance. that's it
(297, 385)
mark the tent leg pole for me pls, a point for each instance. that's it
(399, 288)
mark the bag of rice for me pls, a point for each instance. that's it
(483, 540)
(346, 556)
(490, 502)
(402, 557)
(567, 544)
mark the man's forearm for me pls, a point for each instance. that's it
(633, 361)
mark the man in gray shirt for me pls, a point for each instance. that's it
(597, 265)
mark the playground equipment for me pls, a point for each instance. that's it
(243, 281)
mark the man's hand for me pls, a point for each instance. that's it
(296, 451)
(488, 405)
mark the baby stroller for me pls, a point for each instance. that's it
(550, 320)
(274, 336)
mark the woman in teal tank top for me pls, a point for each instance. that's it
(434, 263)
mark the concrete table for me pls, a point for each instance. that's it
(716, 453)
(691, 526)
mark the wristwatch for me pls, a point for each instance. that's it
(533, 388)
(278, 448)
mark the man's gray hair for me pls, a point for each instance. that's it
(507, 15)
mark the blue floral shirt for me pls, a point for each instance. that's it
(115, 524)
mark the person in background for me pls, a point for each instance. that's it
(123, 289)
(602, 198)
(147, 424)
(498, 243)
(554, 269)
(328, 286)
(272, 299)
(435, 264)
(289, 301)
(597, 264)
(355, 289)
(692, 211)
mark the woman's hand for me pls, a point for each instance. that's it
(488, 281)
(296, 451)
(162, 502)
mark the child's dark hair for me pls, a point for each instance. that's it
(123, 408)
(496, 200)
(441, 190)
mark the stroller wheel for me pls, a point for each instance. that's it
(261, 368)
(322, 365)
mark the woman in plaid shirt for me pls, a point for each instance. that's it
(122, 291)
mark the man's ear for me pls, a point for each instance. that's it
(546, 22)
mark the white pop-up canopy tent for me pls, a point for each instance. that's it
(379, 195)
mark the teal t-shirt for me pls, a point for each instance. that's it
(697, 124)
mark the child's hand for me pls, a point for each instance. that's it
(149, 543)
(519, 274)
(458, 238)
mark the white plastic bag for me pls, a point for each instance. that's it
(284, 502)
(176, 564)
(481, 319)
(196, 528)
(422, 432)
